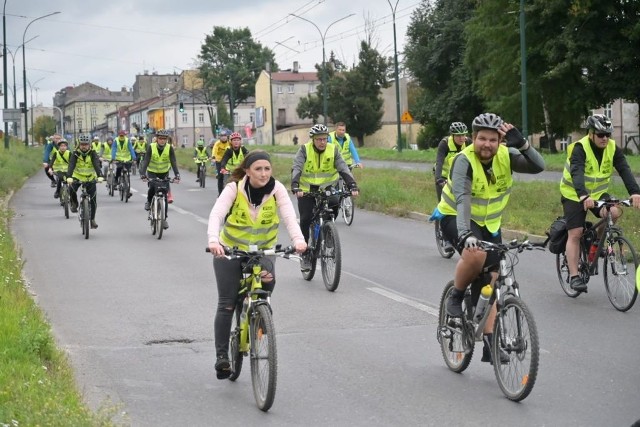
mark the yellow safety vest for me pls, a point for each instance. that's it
(241, 230)
(122, 150)
(159, 163)
(61, 162)
(596, 177)
(202, 153)
(140, 146)
(453, 150)
(84, 170)
(344, 149)
(218, 150)
(488, 198)
(322, 172)
(54, 149)
(235, 160)
(95, 146)
(106, 150)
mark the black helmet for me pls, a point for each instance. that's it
(318, 130)
(486, 121)
(599, 123)
(458, 128)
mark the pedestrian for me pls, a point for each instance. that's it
(295, 139)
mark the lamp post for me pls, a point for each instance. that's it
(24, 74)
(31, 87)
(61, 119)
(15, 93)
(523, 73)
(324, 70)
(395, 60)
(4, 68)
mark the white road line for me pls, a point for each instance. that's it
(191, 214)
(406, 301)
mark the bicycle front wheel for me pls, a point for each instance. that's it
(456, 343)
(152, 216)
(330, 256)
(348, 209)
(161, 215)
(516, 336)
(264, 357)
(235, 356)
(64, 199)
(312, 254)
(440, 242)
(562, 268)
(86, 215)
(127, 187)
(619, 273)
(203, 176)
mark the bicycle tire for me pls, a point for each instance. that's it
(515, 321)
(235, 356)
(348, 209)
(563, 275)
(313, 256)
(86, 215)
(127, 187)
(152, 216)
(160, 217)
(64, 197)
(111, 185)
(456, 347)
(121, 186)
(620, 282)
(264, 356)
(440, 242)
(330, 256)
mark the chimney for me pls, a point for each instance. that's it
(295, 66)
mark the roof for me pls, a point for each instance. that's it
(289, 76)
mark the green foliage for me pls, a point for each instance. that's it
(43, 127)
(223, 114)
(310, 107)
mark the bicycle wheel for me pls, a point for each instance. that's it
(160, 217)
(152, 216)
(111, 187)
(313, 255)
(86, 215)
(330, 256)
(264, 357)
(121, 186)
(203, 176)
(515, 334)
(126, 184)
(619, 271)
(235, 356)
(64, 200)
(562, 269)
(348, 209)
(456, 341)
(440, 242)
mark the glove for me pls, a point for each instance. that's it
(176, 178)
(143, 177)
(69, 180)
(441, 182)
(100, 179)
(467, 241)
(515, 138)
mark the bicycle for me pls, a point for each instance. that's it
(157, 212)
(324, 242)
(514, 332)
(347, 204)
(65, 198)
(110, 178)
(124, 182)
(84, 208)
(445, 248)
(619, 256)
(252, 329)
(201, 172)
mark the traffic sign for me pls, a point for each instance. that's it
(406, 117)
(11, 114)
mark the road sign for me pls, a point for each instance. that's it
(406, 117)
(11, 114)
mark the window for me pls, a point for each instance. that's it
(93, 110)
(200, 117)
(252, 117)
(184, 118)
(185, 139)
(80, 124)
(291, 87)
(607, 110)
(312, 88)
(236, 118)
(279, 88)
(79, 109)
(94, 122)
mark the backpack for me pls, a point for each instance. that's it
(557, 235)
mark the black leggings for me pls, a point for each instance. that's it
(91, 191)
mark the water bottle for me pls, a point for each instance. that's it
(593, 252)
(243, 313)
(316, 232)
(483, 301)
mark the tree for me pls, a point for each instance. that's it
(231, 62)
(223, 115)
(43, 127)
(434, 55)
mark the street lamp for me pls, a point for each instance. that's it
(24, 74)
(15, 93)
(4, 68)
(523, 73)
(61, 119)
(324, 71)
(395, 59)
(31, 87)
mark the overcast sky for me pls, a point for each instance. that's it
(108, 42)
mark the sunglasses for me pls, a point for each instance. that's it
(603, 135)
(320, 139)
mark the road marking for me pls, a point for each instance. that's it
(191, 214)
(406, 301)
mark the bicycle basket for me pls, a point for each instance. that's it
(557, 236)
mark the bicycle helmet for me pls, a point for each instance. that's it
(235, 135)
(83, 139)
(223, 132)
(599, 123)
(200, 143)
(458, 128)
(162, 133)
(486, 121)
(95, 138)
(318, 129)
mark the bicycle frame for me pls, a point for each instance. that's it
(610, 230)
(251, 287)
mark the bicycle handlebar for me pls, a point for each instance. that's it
(613, 202)
(513, 244)
(234, 253)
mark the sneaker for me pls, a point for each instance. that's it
(146, 206)
(454, 305)
(223, 367)
(198, 180)
(129, 195)
(486, 352)
(94, 224)
(165, 224)
(56, 195)
(577, 284)
(169, 197)
(448, 247)
(74, 207)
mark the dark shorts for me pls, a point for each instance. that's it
(574, 213)
(450, 231)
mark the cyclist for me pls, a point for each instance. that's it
(317, 164)
(59, 164)
(585, 179)
(201, 154)
(122, 152)
(474, 198)
(218, 150)
(234, 154)
(343, 140)
(140, 147)
(84, 166)
(96, 145)
(245, 214)
(158, 160)
(49, 148)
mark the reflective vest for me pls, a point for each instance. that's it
(201, 153)
(241, 230)
(122, 150)
(488, 198)
(106, 150)
(61, 162)
(235, 160)
(84, 170)
(218, 150)
(95, 146)
(319, 170)
(345, 148)
(453, 150)
(54, 149)
(596, 177)
(140, 146)
(159, 163)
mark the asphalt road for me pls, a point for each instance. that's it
(135, 315)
